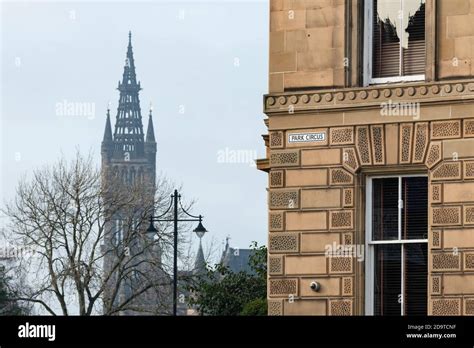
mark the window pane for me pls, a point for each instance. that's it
(387, 279)
(385, 209)
(415, 279)
(415, 208)
(386, 38)
(413, 42)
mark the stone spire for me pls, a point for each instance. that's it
(128, 134)
(129, 75)
(200, 263)
(150, 132)
(150, 143)
(107, 146)
(108, 129)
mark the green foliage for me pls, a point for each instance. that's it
(223, 292)
(258, 260)
(255, 307)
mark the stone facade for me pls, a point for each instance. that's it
(306, 44)
(316, 189)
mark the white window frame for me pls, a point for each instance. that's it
(368, 36)
(369, 243)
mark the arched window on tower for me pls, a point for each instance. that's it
(140, 176)
(124, 175)
(118, 232)
(132, 176)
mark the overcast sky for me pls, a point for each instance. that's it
(203, 65)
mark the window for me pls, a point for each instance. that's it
(397, 236)
(395, 48)
(118, 232)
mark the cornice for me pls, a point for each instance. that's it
(263, 164)
(341, 99)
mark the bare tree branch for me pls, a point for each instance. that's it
(65, 213)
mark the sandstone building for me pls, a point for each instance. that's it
(370, 157)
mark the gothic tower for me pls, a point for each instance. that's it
(128, 158)
(127, 151)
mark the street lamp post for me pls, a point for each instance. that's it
(199, 230)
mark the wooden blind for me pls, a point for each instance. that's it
(415, 279)
(415, 226)
(395, 275)
(415, 211)
(389, 57)
(387, 279)
(385, 209)
(414, 57)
